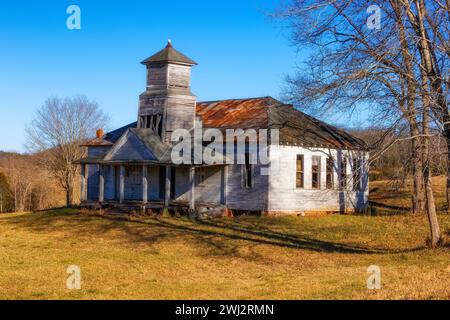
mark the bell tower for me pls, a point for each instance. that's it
(168, 103)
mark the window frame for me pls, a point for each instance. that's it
(153, 122)
(133, 174)
(343, 174)
(200, 176)
(301, 172)
(315, 170)
(247, 172)
(356, 174)
(329, 173)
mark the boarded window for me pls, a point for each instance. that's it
(356, 170)
(330, 173)
(315, 172)
(200, 176)
(299, 176)
(343, 174)
(247, 172)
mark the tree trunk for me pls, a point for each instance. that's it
(448, 190)
(447, 139)
(431, 206)
(418, 203)
(410, 112)
(69, 196)
(431, 211)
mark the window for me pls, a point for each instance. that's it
(133, 174)
(315, 170)
(152, 122)
(343, 174)
(247, 172)
(200, 176)
(356, 175)
(330, 173)
(299, 177)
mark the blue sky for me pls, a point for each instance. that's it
(240, 50)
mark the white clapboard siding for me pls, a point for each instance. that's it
(284, 196)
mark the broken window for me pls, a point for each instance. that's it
(200, 176)
(356, 170)
(299, 177)
(315, 168)
(133, 174)
(152, 122)
(343, 173)
(247, 172)
(330, 173)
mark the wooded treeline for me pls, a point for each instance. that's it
(47, 177)
(394, 164)
(26, 186)
(386, 58)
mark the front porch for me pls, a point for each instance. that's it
(152, 188)
(178, 208)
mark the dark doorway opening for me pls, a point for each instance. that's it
(172, 182)
(162, 182)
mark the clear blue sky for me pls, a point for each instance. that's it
(240, 50)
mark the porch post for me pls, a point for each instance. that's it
(225, 184)
(121, 184)
(144, 184)
(167, 193)
(101, 184)
(83, 182)
(192, 188)
(112, 182)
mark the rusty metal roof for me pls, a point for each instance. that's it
(296, 127)
(236, 113)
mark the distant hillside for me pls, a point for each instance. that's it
(5, 154)
(26, 185)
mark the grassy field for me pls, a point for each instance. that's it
(395, 199)
(241, 258)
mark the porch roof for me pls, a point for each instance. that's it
(91, 160)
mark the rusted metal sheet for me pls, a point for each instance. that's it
(236, 113)
(296, 127)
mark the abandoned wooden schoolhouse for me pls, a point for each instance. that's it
(314, 167)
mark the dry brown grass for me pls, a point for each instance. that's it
(388, 193)
(242, 258)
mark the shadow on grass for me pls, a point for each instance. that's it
(212, 233)
(390, 207)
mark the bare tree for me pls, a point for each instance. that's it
(58, 128)
(19, 175)
(430, 24)
(391, 68)
(5, 194)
